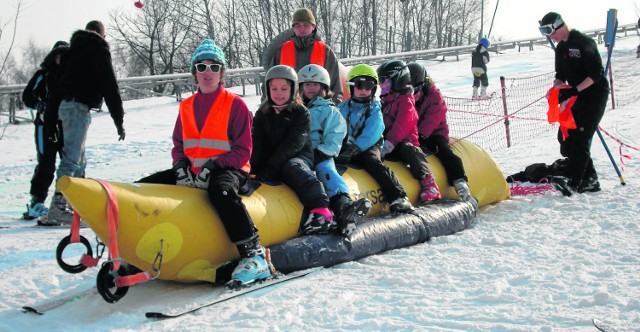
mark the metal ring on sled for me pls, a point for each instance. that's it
(62, 245)
(106, 280)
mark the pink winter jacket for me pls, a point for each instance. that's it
(432, 113)
(400, 119)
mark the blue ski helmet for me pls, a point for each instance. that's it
(485, 42)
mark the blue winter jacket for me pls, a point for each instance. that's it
(328, 127)
(364, 123)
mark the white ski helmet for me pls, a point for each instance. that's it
(313, 73)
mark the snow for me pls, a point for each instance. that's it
(537, 262)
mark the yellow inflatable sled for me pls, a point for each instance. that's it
(180, 221)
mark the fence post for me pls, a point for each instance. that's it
(506, 113)
(12, 109)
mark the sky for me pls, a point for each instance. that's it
(49, 21)
(529, 263)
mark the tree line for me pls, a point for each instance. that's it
(160, 38)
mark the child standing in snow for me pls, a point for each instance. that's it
(221, 170)
(433, 131)
(401, 125)
(365, 127)
(282, 148)
(479, 60)
(328, 130)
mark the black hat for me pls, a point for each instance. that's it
(550, 18)
(60, 43)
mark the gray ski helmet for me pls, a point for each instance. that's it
(397, 72)
(313, 73)
(282, 71)
(418, 73)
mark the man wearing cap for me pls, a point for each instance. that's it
(578, 64)
(305, 47)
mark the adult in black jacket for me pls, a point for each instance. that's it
(578, 64)
(35, 96)
(87, 77)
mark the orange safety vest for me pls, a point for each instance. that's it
(288, 54)
(561, 113)
(213, 140)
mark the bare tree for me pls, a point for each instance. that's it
(3, 27)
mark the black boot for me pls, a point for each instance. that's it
(348, 212)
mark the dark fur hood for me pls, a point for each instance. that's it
(85, 39)
(48, 61)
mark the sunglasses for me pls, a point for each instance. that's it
(363, 84)
(549, 29)
(202, 67)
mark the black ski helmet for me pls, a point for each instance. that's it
(397, 72)
(418, 73)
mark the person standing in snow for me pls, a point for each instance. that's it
(578, 64)
(433, 130)
(328, 130)
(479, 59)
(363, 143)
(305, 47)
(282, 148)
(36, 96)
(86, 77)
(212, 147)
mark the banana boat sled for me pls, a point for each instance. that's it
(173, 233)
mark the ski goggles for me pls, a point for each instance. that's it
(363, 84)
(202, 67)
(549, 29)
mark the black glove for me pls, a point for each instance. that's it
(422, 140)
(319, 156)
(202, 179)
(268, 174)
(347, 153)
(51, 132)
(567, 93)
(121, 133)
(184, 177)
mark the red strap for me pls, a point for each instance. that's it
(112, 219)
(75, 228)
(131, 280)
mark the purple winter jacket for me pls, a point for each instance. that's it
(432, 113)
(400, 118)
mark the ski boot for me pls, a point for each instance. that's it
(347, 212)
(253, 265)
(429, 189)
(60, 212)
(319, 222)
(462, 188)
(35, 210)
(401, 204)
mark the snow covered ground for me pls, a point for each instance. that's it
(530, 263)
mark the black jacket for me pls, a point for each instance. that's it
(578, 58)
(88, 76)
(43, 85)
(478, 56)
(280, 137)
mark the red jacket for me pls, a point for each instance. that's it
(400, 118)
(432, 113)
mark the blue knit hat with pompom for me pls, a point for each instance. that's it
(208, 50)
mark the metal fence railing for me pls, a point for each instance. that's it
(254, 74)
